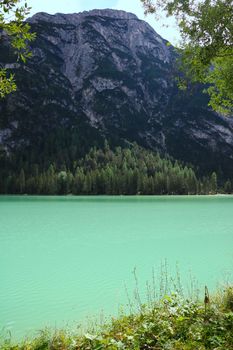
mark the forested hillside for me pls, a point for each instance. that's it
(132, 170)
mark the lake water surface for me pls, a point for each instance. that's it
(65, 258)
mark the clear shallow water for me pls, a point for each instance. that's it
(65, 258)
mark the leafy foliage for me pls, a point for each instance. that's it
(7, 83)
(207, 44)
(12, 15)
(173, 323)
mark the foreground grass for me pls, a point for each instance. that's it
(172, 323)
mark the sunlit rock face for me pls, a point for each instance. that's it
(107, 74)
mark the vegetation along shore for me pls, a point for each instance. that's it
(121, 171)
(174, 323)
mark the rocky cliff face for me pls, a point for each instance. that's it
(107, 74)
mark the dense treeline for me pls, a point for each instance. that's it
(132, 170)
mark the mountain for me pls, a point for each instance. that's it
(105, 74)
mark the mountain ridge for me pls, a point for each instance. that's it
(104, 74)
(119, 14)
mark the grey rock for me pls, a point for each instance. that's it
(114, 73)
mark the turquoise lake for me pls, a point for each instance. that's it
(64, 259)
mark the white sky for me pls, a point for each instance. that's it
(169, 32)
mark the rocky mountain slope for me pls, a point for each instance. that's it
(105, 74)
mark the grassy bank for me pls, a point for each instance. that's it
(172, 323)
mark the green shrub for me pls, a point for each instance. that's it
(228, 298)
(173, 323)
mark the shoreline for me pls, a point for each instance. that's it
(172, 320)
(25, 195)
